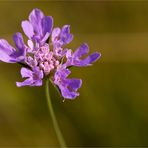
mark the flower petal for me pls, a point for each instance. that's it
(89, 60)
(38, 74)
(65, 73)
(47, 24)
(82, 50)
(74, 84)
(30, 44)
(4, 45)
(55, 34)
(65, 35)
(37, 83)
(35, 19)
(26, 73)
(68, 87)
(75, 58)
(62, 73)
(28, 81)
(34, 77)
(5, 52)
(19, 43)
(28, 29)
(67, 94)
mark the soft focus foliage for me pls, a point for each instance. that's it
(112, 109)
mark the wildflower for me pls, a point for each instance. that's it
(42, 57)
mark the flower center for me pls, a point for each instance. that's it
(44, 58)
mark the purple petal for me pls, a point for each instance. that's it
(37, 83)
(55, 34)
(82, 50)
(4, 45)
(75, 59)
(34, 77)
(28, 81)
(74, 84)
(89, 60)
(35, 19)
(26, 73)
(69, 53)
(47, 24)
(67, 94)
(61, 74)
(65, 73)
(62, 36)
(68, 87)
(38, 74)
(46, 36)
(28, 29)
(19, 43)
(65, 35)
(5, 52)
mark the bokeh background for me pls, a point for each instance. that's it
(112, 109)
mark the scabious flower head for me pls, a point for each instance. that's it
(42, 57)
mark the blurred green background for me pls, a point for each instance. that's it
(112, 109)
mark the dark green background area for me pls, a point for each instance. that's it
(112, 109)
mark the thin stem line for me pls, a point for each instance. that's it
(54, 120)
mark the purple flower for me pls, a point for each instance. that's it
(44, 58)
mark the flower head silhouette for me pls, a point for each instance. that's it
(42, 57)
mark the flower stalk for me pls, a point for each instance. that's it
(54, 120)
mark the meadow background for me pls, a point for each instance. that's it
(112, 109)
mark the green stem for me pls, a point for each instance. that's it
(54, 120)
